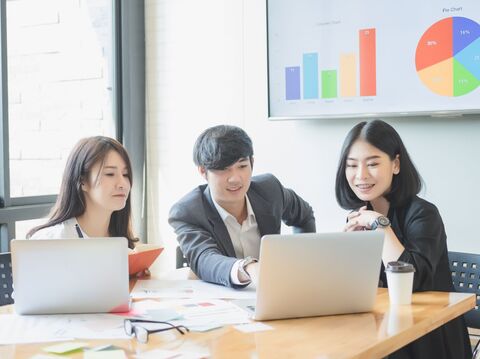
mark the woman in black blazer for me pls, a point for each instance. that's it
(378, 182)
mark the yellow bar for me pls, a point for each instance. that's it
(348, 75)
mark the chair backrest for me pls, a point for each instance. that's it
(465, 268)
(181, 260)
(6, 288)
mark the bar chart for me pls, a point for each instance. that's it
(354, 76)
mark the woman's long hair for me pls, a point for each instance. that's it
(71, 199)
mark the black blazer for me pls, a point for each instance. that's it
(204, 238)
(419, 227)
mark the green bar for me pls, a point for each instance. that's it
(329, 83)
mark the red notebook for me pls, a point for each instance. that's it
(142, 257)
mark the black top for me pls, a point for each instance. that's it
(419, 227)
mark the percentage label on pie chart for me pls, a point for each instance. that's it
(448, 57)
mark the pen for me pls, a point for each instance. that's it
(79, 231)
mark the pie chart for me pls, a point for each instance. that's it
(447, 58)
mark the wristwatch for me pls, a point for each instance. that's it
(380, 222)
(243, 265)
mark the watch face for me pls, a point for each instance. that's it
(383, 221)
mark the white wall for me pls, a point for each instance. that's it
(194, 80)
(206, 64)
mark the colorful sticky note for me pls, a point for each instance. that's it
(64, 347)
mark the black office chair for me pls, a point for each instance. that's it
(6, 288)
(181, 260)
(465, 268)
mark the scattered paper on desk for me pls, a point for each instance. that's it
(143, 306)
(208, 312)
(17, 329)
(198, 289)
(170, 354)
(163, 315)
(253, 327)
(204, 328)
(195, 314)
(153, 310)
(132, 313)
(63, 348)
(104, 347)
(201, 314)
(104, 354)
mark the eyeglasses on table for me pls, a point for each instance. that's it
(142, 333)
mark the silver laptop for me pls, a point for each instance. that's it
(303, 275)
(70, 276)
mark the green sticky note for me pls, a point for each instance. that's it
(104, 354)
(65, 347)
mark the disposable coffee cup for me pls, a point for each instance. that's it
(400, 282)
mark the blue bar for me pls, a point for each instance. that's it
(310, 76)
(292, 83)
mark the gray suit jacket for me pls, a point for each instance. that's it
(204, 238)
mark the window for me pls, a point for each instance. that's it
(58, 58)
(59, 86)
(62, 74)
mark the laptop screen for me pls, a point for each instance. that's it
(313, 274)
(70, 275)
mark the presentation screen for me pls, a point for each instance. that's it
(371, 58)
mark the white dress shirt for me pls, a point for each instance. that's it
(245, 237)
(64, 230)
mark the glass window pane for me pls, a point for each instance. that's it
(59, 86)
(23, 227)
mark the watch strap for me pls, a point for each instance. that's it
(380, 222)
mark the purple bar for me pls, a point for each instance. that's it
(292, 83)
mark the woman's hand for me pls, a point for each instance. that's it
(360, 220)
(143, 274)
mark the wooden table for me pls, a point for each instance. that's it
(366, 335)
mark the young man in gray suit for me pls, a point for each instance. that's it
(219, 225)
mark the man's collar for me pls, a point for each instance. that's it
(225, 214)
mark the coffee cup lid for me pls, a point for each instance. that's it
(399, 267)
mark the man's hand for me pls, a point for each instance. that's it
(252, 270)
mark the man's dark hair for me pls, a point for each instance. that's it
(381, 135)
(221, 146)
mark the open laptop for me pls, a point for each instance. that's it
(313, 274)
(70, 276)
